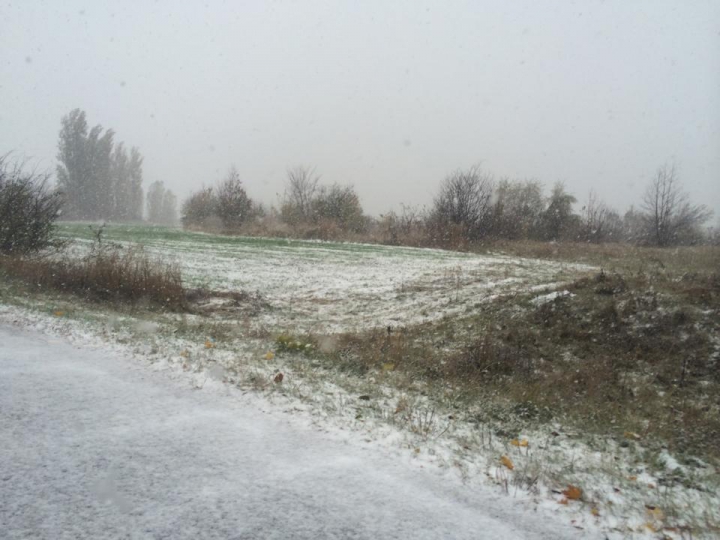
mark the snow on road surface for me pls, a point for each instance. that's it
(97, 446)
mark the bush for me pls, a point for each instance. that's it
(223, 208)
(28, 209)
(464, 202)
(404, 228)
(233, 207)
(340, 205)
(107, 274)
(200, 209)
(328, 210)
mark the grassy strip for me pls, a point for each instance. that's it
(113, 275)
(626, 258)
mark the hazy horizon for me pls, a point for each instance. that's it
(389, 97)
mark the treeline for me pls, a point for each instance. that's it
(470, 207)
(309, 209)
(99, 179)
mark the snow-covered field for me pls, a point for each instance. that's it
(326, 287)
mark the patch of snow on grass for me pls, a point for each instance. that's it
(550, 297)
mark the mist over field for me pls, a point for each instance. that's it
(470, 250)
(387, 97)
(409, 269)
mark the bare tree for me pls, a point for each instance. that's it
(406, 227)
(668, 215)
(598, 222)
(465, 200)
(300, 192)
(28, 209)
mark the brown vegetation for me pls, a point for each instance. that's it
(105, 274)
(625, 351)
(28, 209)
(470, 211)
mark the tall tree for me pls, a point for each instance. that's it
(96, 176)
(73, 169)
(100, 190)
(155, 197)
(120, 175)
(135, 175)
(168, 214)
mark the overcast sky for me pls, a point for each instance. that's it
(389, 96)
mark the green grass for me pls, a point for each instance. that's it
(181, 239)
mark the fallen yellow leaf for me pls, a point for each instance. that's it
(269, 355)
(632, 435)
(59, 313)
(595, 512)
(573, 492)
(523, 443)
(388, 367)
(507, 462)
(209, 344)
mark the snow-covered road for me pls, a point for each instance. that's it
(93, 445)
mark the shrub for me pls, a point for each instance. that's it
(200, 208)
(328, 210)
(234, 207)
(464, 201)
(28, 209)
(286, 343)
(107, 274)
(300, 192)
(338, 204)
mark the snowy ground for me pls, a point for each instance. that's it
(96, 446)
(324, 287)
(329, 286)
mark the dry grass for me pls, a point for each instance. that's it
(635, 352)
(623, 257)
(105, 275)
